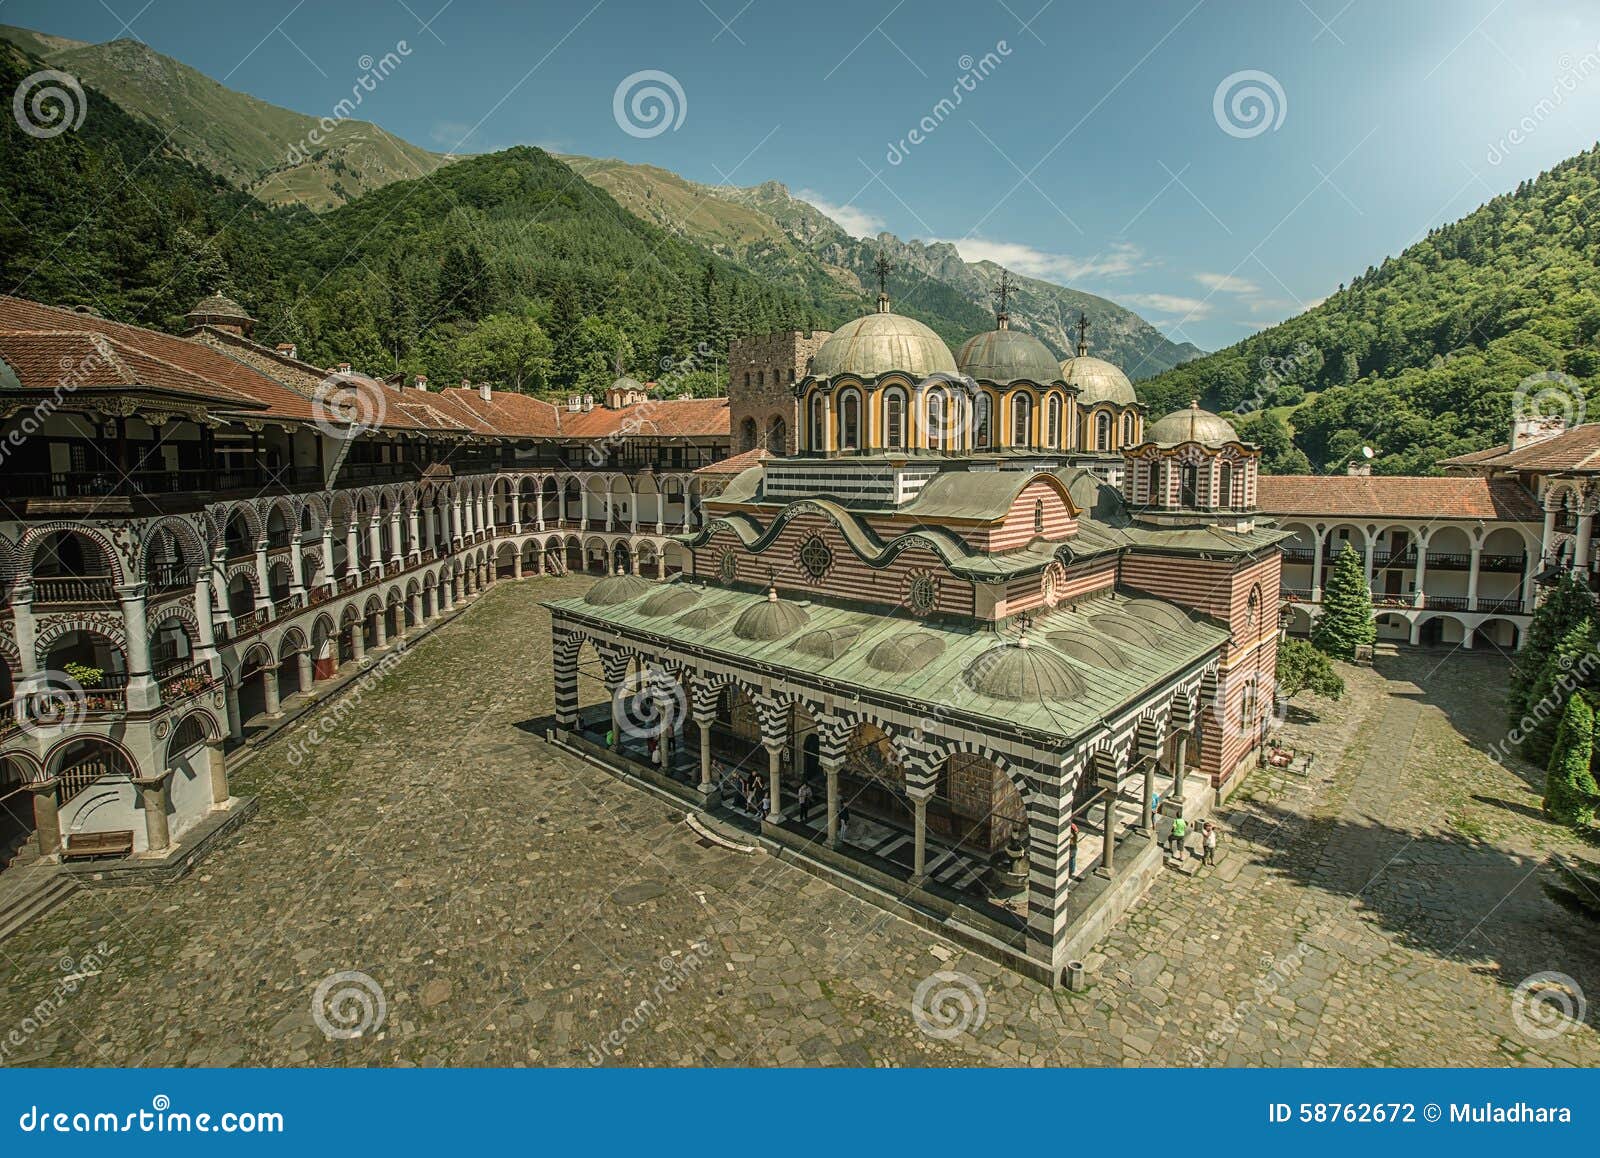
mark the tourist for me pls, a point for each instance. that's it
(1180, 830)
(802, 799)
(1210, 843)
(763, 806)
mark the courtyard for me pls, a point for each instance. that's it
(435, 875)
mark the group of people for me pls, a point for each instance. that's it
(1178, 841)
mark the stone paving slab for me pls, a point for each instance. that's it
(502, 902)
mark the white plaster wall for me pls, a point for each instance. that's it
(189, 790)
(108, 806)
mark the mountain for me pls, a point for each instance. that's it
(280, 156)
(779, 234)
(1421, 357)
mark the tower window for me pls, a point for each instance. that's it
(1038, 516)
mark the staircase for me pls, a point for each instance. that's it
(28, 891)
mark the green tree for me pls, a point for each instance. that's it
(1346, 622)
(508, 349)
(1564, 672)
(1567, 605)
(1302, 668)
(1570, 792)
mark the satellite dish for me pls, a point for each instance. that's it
(1366, 452)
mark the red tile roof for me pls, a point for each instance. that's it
(738, 464)
(1577, 449)
(1396, 497)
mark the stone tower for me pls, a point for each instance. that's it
(762, 371)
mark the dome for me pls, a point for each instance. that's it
(1128, 629)
(881, 342)
(712, 615)
(1098, 381)
(1087, 649)
(627, 383)
(827, 642)
(614, 589)
(905, 653)
(669, 601)
(219, 310)
(770, 620)
(1022, 673)
(1002, 356)
(1192, 425)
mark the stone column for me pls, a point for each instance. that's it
(142, 693)
(919, 806)
(396, 553)
(206, 645)
(1547, 542)
(516, 565)
(1108, 853)
(1180, 753)
(1367, 558)
(1472, 577)
(706, 783)
(46, 817)
(830, 769)
(1421, 578)
(297, 567)
(269, 685)
(380, 629)
(358, 640)
(415, 603)
(328, 576)
(352, 550)
(153, 796)
(1316, 565)
(217, 766)
(1147, 814)
(235, 719)
(374, 542)
(413, 534)
(433, 525)
(538, 508)
(261, 575)
(307, 675)
(774, 783)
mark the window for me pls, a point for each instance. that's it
(815, 557)
(747, 379)
(1021, 420)
(1225, 486)
(1128, 438)
(980, 422)
(728, 567)
(819, 429)
(761, 378)
(894, 419)
(923, 595)
(1038, 516)
(936, 410)
(850, 421)
(1102, 431)
(1053, 438)
(1154, 482)
(1189, 486)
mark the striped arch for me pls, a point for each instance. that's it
(107, 627)
(258, 656)
(190, 544)
(10, 654)
(28, 546)
(181, 612)
(247, 569)
(246, 510)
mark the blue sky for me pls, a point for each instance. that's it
(1091, 153)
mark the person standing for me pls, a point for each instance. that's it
(802, 799)
(1180, 830)
(1209, 843)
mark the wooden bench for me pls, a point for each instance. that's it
(82, 845)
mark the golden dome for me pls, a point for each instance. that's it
(1192, 425)
(881, 342)
(1004, 356)
(1098, 381)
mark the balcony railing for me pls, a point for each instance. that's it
(1501, 606)
(191, 679)
(74, 589)
(1298, 594)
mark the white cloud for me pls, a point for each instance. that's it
(1227, 283)
(1191, 308)
(855, 221)
(1115, 261)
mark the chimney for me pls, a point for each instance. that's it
(483, 391)
(1534, 428)
(421, 382)
(1358, 468)
(573, 403)
(344, 367)
(288, 350)
(588, 402)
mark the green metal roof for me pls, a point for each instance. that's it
(1163, 641)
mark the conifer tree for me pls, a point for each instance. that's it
(1567, 605)
(1346, 622)
(1570, 793)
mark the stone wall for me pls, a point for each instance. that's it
(762, 371)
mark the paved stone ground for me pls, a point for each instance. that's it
(516, 906)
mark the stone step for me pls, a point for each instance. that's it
(33, 899)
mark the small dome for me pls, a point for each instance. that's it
(701, 618)
(1022, 673)
(627, 383)
(1003, 356)
(826, 642)
(905, 653)
(614, 589)
(1192, 425)
(881, 342)
(673, 599)
(772, 619)
(219, 310)
(1128, 629)
(1087, 649)
(1157, 613)
(1098, 381)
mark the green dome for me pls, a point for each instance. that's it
(1087, 649)
(770, 620)
(1098, 381)
(905, 653)
(1021, 673)
(673, 599)
(1003, 356)
(712, 615)
(827, 642)
(614, 589)
(881, 342)
(1192, 425)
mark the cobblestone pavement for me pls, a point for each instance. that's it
(516, 906)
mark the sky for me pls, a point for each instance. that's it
(1216, 166)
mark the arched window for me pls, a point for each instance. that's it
(1153, 482)
(980, 423)
(1102, 431)
(1021, 420)
(894, 419)
(1189, 486)
(1053, 426)
(1225, 486)
(1038, 516)
(850, 421)
(748, 434)
(747, 379)
(761, 378)
(819, 430)
(936, 419)
(1127, 429)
